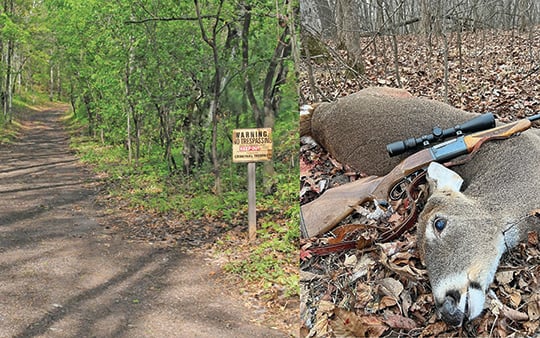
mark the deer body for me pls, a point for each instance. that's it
(461, 234)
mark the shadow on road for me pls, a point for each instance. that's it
(65, 273)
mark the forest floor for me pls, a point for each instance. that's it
(68, 271)
(384, 291)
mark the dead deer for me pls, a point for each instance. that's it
(462, 233)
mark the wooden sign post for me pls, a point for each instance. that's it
(250, 146)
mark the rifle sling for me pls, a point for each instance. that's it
(386, 236)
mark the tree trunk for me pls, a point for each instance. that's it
(248, 88)
(91, 118)
(8, 57)
(8, 94)
(51, 82)
(166, 132)
(216, 90)
(131, 109)
(348, 33)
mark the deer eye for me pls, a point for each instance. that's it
(439, 224)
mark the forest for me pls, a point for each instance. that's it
(479, 56)
(155, 89)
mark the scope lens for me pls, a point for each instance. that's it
(396, 148)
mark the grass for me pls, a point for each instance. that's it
(20, 108)
(9, 131)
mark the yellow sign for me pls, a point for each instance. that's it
(252, 145)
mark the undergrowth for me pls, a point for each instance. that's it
(272, 259)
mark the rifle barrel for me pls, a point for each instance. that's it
(534, 117)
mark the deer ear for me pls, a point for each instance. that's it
(442, 178)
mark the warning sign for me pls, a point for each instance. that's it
(252, 145)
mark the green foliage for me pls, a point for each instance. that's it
(271, 260)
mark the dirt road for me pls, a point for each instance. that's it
(63, 274)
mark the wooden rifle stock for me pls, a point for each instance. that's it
(499, 133)
(324, 213)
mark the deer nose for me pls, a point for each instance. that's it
(449, 309)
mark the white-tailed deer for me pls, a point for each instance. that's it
(461, 234)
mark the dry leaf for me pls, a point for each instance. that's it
(504, 277)
(531, 327)
(514, 314)
(391, 287)
(386, 301)
(375, 326)
(406, 302)
(515, 298)
(399, 322)
(305, 168)
(306, 276)
(408, 271)
(363, 295)
(362, 267)
(325, 306)
(305, 254)
(325, 309)
(395, 218)
(533, 308)
(435, 329)
(346, 324)
(350, 261)
(532, 238)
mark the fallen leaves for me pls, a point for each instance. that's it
(383, 289)
(342, 323)
(492, 72)
(495, 74)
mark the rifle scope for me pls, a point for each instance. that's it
(482, 122)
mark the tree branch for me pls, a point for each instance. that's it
(181, 18)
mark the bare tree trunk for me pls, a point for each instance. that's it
(166, 136)
(348, 33)
(59, 91)
(8, 94)
(72, 98)
(396, 60)
(130, 105)
(460, 51)
(128, 137)
(390, 23)
(51, 81)
(445, 40)
(292, 15)
(311, 78)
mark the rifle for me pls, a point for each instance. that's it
(324, 213)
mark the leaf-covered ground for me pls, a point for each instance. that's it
(384, 290)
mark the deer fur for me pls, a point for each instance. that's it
(490, 214)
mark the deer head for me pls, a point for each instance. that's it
(461, 246)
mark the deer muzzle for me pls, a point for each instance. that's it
(450, 310)
(457, 307)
